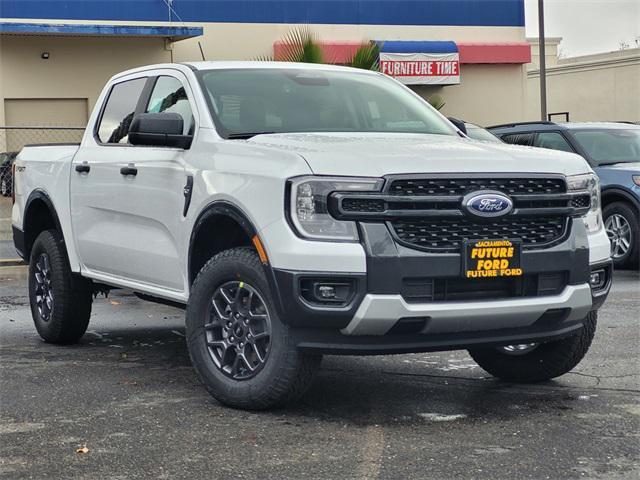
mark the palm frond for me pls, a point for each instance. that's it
(301, 45)
(436, 101)
(366, 57)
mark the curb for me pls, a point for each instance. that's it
(13, 262)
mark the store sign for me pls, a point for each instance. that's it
(422, 68)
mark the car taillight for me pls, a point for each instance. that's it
(13, 183)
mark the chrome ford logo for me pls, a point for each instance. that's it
(488, 204)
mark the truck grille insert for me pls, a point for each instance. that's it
(448, 235)
(462, 186)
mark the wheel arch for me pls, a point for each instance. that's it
(204, 241)
(616, 194)
(39, 215)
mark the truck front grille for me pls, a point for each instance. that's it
(462, 186)
(448, 235)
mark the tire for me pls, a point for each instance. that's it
(625, 213)
(544, 362)
(285, 373)
(63, 319)
(5, 186)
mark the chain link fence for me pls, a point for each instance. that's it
(12, 139)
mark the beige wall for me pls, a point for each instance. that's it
(77, 68)
(595, 88)
(487, 95)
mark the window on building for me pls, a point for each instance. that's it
(553, 141)
(519, 139)
(119, 111)
(169, 96)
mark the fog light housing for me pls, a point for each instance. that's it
(337, 292)
(598, 279)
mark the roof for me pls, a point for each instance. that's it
(99, 30)
(226, 65)
(541, 126)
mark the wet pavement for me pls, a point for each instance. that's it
(128, 394)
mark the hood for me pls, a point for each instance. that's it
(379, 154)
(631, 167)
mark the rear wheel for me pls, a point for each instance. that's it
(240, 349)
(532, 362)
(623, 229)
(60, 301)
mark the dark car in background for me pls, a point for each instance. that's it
(6, 173)
(613, 151)
(479, 133)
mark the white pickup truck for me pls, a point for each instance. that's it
(296, 210)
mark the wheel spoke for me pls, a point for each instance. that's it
(218, 311)
(228, 298)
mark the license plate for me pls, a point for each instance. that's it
(492, 258)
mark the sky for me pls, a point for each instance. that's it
(587, 26)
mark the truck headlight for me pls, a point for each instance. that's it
(589, 183)
(308, 206)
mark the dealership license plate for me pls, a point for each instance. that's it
(492, 258)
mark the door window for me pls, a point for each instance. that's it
(519, 139)
(119, 111)
(552, 140)
(169, 95)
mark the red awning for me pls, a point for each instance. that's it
(470, 53)
(517, 52)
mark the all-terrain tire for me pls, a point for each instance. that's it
(5, 185)
(67, 318)
(546, 361)
(632, 257)
(286, 373)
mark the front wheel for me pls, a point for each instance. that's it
(623, 229)
(530, 363)
(240, 349)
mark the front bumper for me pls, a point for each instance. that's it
(385, 316)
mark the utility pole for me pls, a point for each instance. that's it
(543, 62)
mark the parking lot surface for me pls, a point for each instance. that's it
(128, 394)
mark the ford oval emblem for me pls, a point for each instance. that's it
(488, 204)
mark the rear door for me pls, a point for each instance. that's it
(127, 209)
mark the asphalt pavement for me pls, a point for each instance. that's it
(127, 397)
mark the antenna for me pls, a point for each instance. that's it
(201, 52)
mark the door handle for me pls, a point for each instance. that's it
(129, 170)
(83, 167)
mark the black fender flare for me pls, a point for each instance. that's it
(38, 195)
(622, 193)
(226, 208)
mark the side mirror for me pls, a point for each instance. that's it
(459, 124)
(158, 129)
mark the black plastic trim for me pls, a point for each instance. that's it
(41, 195)
(334, 343)
(18, 242)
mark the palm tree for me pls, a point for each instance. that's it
(302, 45)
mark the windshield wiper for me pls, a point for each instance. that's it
(246, 135)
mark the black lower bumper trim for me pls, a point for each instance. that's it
(335, 343)
(18, 241)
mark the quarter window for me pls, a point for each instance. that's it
(119, 111)
(169, 96)
(553, 141)
(519, 139)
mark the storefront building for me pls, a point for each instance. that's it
(56, 55)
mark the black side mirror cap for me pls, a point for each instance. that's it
(459, 124)
(159, 129)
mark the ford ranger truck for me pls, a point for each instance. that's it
(298, 210)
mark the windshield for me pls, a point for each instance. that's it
(479, 133)
(251, 101)
(611, 145)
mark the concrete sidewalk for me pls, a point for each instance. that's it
(8, 255)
